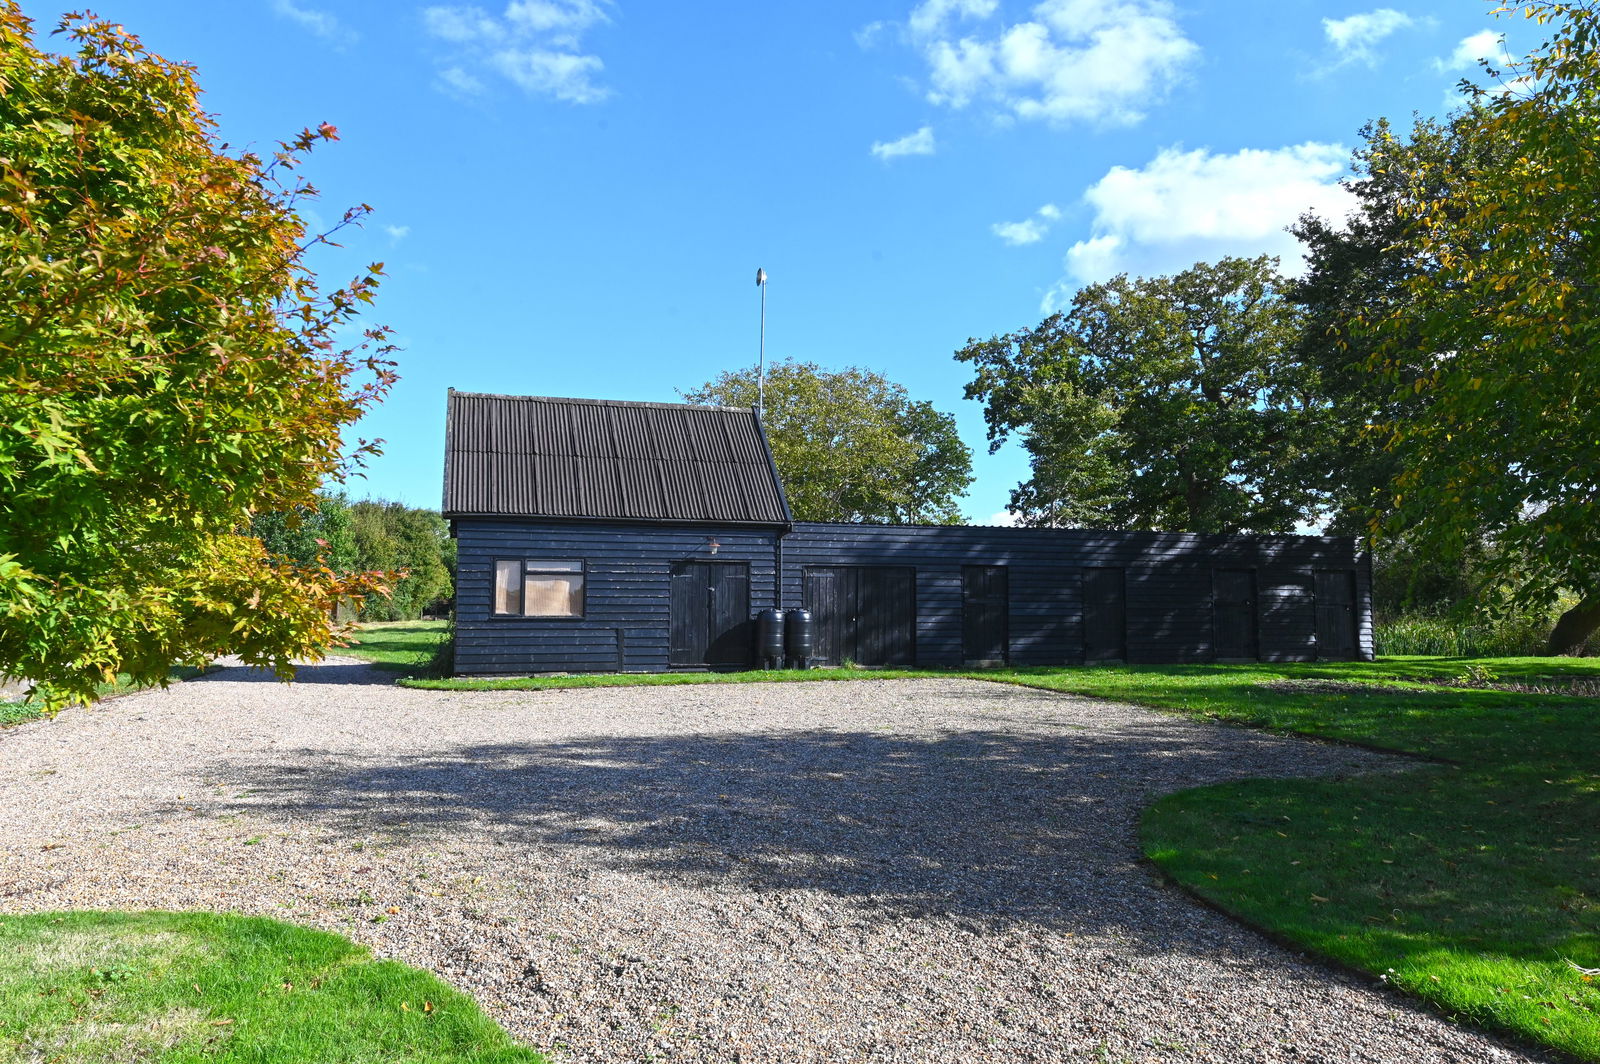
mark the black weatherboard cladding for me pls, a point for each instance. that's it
(533, 456)
(1146, 596)
(679, 520)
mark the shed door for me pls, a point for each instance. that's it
(985, 609)
(1234, 614)
(864, 615)
(710, 614)
(1336, 614)
(1105, 615)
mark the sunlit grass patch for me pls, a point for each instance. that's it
(404, 646)
(182, 988)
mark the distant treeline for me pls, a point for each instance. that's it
(371, 534)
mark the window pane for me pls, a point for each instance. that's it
(506, 575)
(541, 566)
(554, 596)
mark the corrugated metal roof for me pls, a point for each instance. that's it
(536, 456)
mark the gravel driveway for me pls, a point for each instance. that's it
(931, 870)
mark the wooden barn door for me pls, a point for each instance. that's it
(864, 615)
(710, 614)
(1335, 592)
(1105, 615)
(1234, 614)
(886, 608)
(985, 610)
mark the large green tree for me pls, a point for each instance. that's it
(852, 445)
(1175, 403)
(1499, 336)
(169, 367)
(1358, 269)
(412, 545)
(318, 534)
(416, 543)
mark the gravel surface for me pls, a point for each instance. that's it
(927, 870)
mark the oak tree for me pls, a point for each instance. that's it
(1172, 403)
(852, 445)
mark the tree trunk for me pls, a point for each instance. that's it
(1576, 625)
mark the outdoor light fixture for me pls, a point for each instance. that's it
(713, 546)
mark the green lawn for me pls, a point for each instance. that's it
(1468, 881)
(183, 988)
(404, 646)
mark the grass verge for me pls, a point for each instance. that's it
(183, 988)
(1469, 882)
(406, 647)
(20, 712)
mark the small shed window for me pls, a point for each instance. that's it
(538, 587)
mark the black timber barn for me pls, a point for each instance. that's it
(602, 536)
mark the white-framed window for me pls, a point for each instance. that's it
(538, 587)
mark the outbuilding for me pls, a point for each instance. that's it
(601, 536)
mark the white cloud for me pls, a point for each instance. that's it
(320, 23)
(1356, 37)
(560, 74)
(1029, 230)
(537, 45)
(932, 17)
(458, 82)
(1185, 207)
(868, 35)
(459, 23)
(542, 16)
(397, 233)
(1484, 44)
(918, 143)
(1102, 62)
(1004, 518)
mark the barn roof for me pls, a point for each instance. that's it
(536, 456)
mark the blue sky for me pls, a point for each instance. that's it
(572, 196)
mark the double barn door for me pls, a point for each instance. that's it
(866, 615)
(710, 615)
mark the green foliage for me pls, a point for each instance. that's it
(1172, 403)
(1358, 268)
(1509, 635)
(1500, 335)
(851, 445)
(311, 535)
(184, 988)
(411, 547)
(170, 367)
(393, 537)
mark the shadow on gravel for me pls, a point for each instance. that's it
(306, 674)
(986, 825)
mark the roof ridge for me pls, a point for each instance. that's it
(604, 402)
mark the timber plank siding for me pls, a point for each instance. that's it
(647, 536)
(1168, 601)
(1053, 596)
(627, 621)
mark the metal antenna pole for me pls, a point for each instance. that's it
(761, 371)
